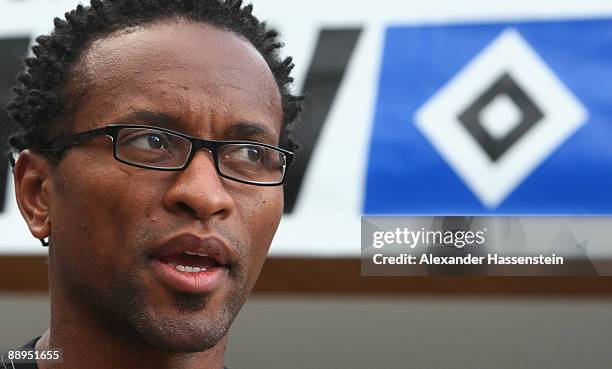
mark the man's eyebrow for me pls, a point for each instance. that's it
(238, 131)
(251, 131)
(150, 117)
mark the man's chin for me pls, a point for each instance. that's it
(182, 336)
(190, 323)
(190, 302)
(164, 319)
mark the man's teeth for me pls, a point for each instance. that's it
(189, 269)
(194, 253)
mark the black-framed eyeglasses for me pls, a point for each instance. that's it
(159, 148)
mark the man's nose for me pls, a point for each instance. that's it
(199, 190)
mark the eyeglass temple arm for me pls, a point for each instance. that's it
(62, 143)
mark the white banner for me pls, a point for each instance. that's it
(325, 220)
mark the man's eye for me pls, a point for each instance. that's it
(252, 154)
(150, 141)
(246, 154)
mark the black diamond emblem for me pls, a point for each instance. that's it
(530, 116)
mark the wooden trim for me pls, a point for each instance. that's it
(343, 277)
(23, 273)
(297, 276)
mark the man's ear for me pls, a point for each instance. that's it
(33, 181)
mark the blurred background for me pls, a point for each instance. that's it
(414, 108)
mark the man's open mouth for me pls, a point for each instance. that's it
(191, 262)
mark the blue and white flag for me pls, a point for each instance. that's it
(494, 118)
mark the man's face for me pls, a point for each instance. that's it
(110, 222)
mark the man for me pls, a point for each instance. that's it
(152, 140)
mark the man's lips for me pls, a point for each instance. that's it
(193, 264)
(190, 244)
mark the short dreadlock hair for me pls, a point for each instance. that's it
(41, 91)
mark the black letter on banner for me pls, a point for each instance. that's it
(11, 52)
(331, 56)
